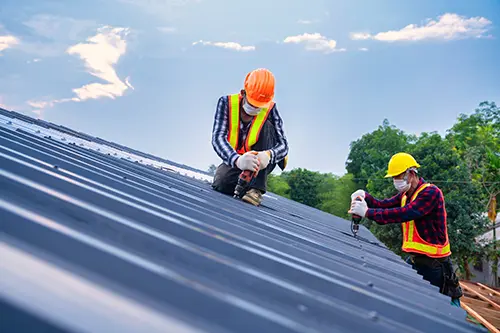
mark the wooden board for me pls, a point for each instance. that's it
(482, 303)
(479, 318)
(493, 300)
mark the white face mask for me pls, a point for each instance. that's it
(401, 185)
(250, 110)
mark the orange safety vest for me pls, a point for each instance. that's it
(234, 125)
(412, 242)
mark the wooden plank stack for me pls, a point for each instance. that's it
(482, 303)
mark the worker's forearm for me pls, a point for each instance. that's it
(392, 215)
(224, 150)
(422, 205)
(278, 152)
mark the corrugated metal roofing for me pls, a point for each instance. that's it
(94, 240)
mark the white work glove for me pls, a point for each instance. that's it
(248, 161)
(358, 208)
(358, 193)
(264, 157)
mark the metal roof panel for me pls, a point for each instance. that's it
(94, 216)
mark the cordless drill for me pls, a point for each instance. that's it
(355, 221)
(243, 181)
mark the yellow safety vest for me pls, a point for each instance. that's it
(234, 125)
(412, 242)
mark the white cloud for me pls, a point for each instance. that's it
(127, 82)
(99, 54)
(360, 36)
(227, 45)
(167, 30)
(314, 42)
(39, 113)
(40, 104)
(448, 27)
(364, 49)
(8, 41)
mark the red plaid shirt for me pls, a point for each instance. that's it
(427, 210)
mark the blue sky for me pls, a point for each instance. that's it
(159, 66)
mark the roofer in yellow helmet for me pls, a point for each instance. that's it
(420, 209)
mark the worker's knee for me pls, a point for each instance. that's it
(224, 188)
(225, 179)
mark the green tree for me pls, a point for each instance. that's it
(278, 185)
(304, 186)
(335, 194)
(369, 155)
(211, 169)
(476, 138)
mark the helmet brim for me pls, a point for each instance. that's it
(257, 103)
(390, 175)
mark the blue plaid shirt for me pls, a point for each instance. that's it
(221, 127)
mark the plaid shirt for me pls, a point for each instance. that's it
(427, 210)
(221, 127)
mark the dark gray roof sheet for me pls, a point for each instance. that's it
(95, 243)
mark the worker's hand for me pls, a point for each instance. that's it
(358, 193)
(358, 208)
(264, 157)
(248, 161)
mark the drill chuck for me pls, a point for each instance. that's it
(355, 221)
(243, 181)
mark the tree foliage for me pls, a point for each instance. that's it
(335, 194)
(477, 139)
(304, 186)
(368, 155)
(212, 169)
(278, 185)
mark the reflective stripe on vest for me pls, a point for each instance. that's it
(234, 125)
(412, 242)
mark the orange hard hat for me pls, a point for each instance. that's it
(259, 87)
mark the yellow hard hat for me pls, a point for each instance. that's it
(399, 163)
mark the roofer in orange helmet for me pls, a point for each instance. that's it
(248, 134)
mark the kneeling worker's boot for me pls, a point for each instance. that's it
(253, 196)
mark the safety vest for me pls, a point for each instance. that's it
(234, 125)
(412, 242)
